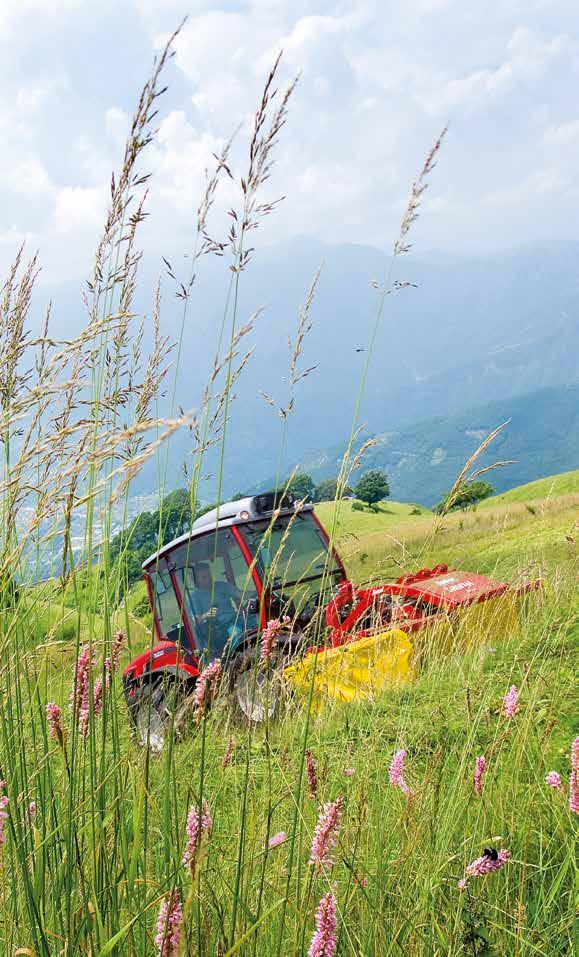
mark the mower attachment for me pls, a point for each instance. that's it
(358, 670)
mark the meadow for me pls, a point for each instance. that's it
(114, 821)
(352, 831)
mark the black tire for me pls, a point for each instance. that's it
(257, 691)
(157, 705)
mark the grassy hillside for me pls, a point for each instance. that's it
(352, 521)
(397, 862)
(498, 538)
(567, 483)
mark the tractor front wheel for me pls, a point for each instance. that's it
(158, 706)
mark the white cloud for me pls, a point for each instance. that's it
(180, 159)
(28, 178)
(564, 134)
(378, 81)
(13, 13)
(528, 55)
(117, 123)
(79, 209)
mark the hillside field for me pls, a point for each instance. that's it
(567, 483)
(112, 820)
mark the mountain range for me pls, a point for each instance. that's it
(540, 437)
(456, 334)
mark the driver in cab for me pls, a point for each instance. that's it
(215, 605)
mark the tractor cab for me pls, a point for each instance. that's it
(213, 589)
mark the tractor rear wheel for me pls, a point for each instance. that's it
(256, 691)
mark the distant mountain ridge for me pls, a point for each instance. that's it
(423, 460)
(472, 330)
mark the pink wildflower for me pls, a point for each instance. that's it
(97, 704)
(396, 772)
(311, 775)
(553, 779)
(349, 772)
(31, 812)
(53, 718)
(277, 839)
(511, 702)
(3, 814)
(325, 834)
(168, 935)
(269, 635)
(325, 939)
(206, 680)
(574, 782)
(479, 770)
(79, 696)
(489, 862)
(198, 824)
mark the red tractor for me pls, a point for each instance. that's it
(213, 590)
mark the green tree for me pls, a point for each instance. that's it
(467, 496)
(327, 490)
(373, 487)
(302, 486)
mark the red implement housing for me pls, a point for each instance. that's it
(409, 603)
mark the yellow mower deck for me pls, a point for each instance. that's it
(356, 671)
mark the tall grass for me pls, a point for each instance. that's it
(95, 829)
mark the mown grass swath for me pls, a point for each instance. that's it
(106, 848)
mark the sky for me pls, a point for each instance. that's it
(378, 81)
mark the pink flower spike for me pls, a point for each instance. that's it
(349, 772)
(326, 834)
(198, 824)
(574, 782)
(511, 702)
(31, 813)
(277, 839)
(97, 703)
(205, 685)
(479, 770)
(3, 814)
(325, 939)
(269, 635)
(553, 779)
(396, 772)
(489, 862)
(311, 775)
(169, 920)
(79, 696)
(53, 719)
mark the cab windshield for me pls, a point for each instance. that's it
(293, 561)
(219, 599)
